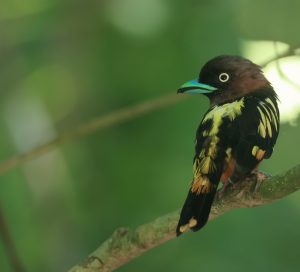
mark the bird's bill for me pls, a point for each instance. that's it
(195, 87)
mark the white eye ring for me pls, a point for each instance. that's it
(224, 77)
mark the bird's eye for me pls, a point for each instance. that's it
(224, 77)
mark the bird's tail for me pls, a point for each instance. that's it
(195, 211)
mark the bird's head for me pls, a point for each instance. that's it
(227, 78)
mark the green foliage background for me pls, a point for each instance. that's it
(65, 62)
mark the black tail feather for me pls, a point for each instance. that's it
(195, 211)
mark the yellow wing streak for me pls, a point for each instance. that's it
(204, 163)
(258, 153)
(262, 117)
(274, 120)
(201, 185)
(192, 223)
(254, 150)
(266, 110)
(265, 122)
(212, 150)
(262, 124)
(270, 114)
(269, 128)
(270, 102)
(230, 110)
(274, 117)
(207, 165)
(262, 130)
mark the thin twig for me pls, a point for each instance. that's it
(281, 72)
(9, 247)
(292, 51)
(101, 122)
(125, 244)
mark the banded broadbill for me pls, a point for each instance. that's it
(237, 132)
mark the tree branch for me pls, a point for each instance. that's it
(280, 71)
(292, 51)
(101, 122)
(125, 244)
(9, 246)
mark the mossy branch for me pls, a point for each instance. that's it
(124, 245)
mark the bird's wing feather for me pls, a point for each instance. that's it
(257, 129)
(211, 146)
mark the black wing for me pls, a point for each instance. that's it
(257, 130)
(211, 143)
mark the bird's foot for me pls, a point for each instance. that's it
(227, 186)
(260, 176)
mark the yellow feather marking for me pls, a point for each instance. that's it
(195, 167)
(254, 150)
(201, 184)
(204, 164)
(264, 125)
(205, 133)
(228, 154)
(228, 151)
(258, 153)
(266, 122)
(212, 148)
(270, 102)
(192, 223)
(217, 121)
(262, 116)
(272, 113)
(230, 110)
(269, 128)
(184, 228)
(262, 130)
(212, 151)
(274, 120)
(207, 165)
(270, 119)
(266, 110)
(202, 153)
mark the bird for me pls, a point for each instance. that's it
(237, 132)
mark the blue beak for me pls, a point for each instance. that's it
(195, 87)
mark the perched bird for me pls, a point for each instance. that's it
(237, 132)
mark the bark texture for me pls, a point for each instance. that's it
(124, 245)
